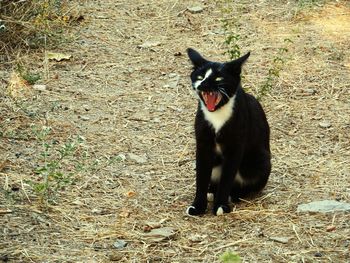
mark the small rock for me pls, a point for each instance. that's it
(86, 107)
(78, 202)
(96, 211)
(324, 124)
(324, 206)
(39, 87)
(174, 81)
(283, 240)
(160, 234)
(196, 238)
(310, 91)
(195, 9)
(119, 244)
(149, 44)
(84, 118)
(137, 158)
(173, 75)
(318, 254)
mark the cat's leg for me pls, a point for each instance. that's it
(214, 180)
(253, 176)
(229, 168)
(204, 165)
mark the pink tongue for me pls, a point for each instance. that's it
(211, 101)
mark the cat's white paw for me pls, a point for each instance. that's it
(210, 197)
(220, 211)
(190, 210)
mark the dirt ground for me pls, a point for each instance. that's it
(126, 94)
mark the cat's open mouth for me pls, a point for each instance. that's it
(211, 99)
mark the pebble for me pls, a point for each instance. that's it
(84, 118)
(195, 9)
(324, 124)
(119, 244)
(324, 206)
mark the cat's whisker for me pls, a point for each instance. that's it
(223, 92)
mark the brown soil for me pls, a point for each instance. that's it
(126, 91)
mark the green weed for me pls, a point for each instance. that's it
(28, 76)
(230, 257)
(273, 74)
(231, 39)
(309, 3)
(55, 170)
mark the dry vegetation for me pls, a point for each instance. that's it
(112, 133)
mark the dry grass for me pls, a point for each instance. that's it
(124, 99)
(32, 24)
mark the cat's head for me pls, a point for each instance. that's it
(215, 83)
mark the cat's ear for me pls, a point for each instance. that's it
(196, 58)
(235, 66)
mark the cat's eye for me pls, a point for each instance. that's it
(199, 77)
(219, 79)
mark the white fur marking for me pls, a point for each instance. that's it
(239, 179)
(210, 197)
(220, 211)
(197, 83)
(188, 209)
(218, 149)
(216, 174)
(219, 117)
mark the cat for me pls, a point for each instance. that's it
(233, 157)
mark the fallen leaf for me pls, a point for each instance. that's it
(115, 257)
(4, 164)
(160, 234)
(125, 213)
(330, 228)
(17, 86)
(57, 56)
(151, 225)
(130, 194)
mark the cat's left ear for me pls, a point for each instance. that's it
(196, 58)
(236, 65)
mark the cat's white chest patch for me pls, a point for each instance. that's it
(219, 117)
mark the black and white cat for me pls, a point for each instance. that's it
(232, 136)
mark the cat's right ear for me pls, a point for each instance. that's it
(196, 58)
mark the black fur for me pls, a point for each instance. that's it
(243, 138)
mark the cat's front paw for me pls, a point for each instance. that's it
(193, 210)
(219, 210)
